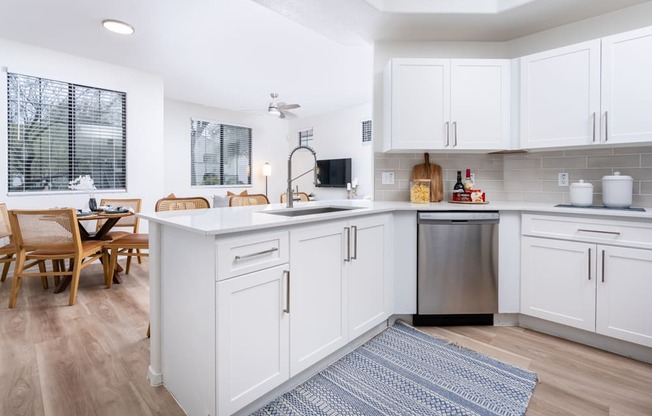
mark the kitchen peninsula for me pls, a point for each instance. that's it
(230, 287)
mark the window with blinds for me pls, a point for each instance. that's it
(58, 131)
(220, 154)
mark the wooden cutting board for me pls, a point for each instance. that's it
(430, 171)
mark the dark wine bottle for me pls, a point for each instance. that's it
(459, 186)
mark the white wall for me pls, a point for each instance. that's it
(144, 121)
(336, 135)
(269, 144)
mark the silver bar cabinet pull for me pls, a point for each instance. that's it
(598, 231)
(258, 253)
(455, 133)
(347, 230)
(589, 264)
(593, 126)
(286, 274)
(447, 134)
(606, 126)
(602, 266)
(355, 242)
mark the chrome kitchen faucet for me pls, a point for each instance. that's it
(289, 196)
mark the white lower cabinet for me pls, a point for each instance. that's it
(602, 288)
(624, 298)
(338, 286)
(252, 337)
(558, 282)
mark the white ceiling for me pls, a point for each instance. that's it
(232, 53)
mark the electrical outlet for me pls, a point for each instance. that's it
(563, 179)
(388, 178)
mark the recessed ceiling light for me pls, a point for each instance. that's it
(117, 26)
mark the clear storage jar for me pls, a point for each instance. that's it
(420, 191)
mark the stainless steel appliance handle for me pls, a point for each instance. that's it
(347, 230)
(447, 133)
(355, 242)
(589, 264)
(258, 253)
(286, 308)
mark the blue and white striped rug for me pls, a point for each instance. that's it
(403, 371)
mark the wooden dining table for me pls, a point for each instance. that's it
(110, 220)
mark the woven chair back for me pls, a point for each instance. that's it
(246, 200)
(5, 226)
(178, 204)
(45, 229)
(130, 221)
(303, 197)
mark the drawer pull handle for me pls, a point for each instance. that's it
(589, 264)
(347, 230)
(258, 253)
(598, 231)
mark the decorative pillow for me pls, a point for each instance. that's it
(229, 193)
(221, 201)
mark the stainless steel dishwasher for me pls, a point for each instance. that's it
(457, 268)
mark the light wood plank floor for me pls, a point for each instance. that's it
(92, 358)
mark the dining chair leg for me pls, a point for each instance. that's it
(15, 284)
(5, 267)
(140, 258)
(130, 251)
(42, 269)
(110, 260)
(74, 283)
(149, 327)
(58, 266)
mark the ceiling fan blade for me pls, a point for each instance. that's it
(290, 106)
(289, 114)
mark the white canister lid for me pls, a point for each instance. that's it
(581, 184)
(617, 177)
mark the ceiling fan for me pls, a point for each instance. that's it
(279, 108)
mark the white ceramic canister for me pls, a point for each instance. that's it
(617, 190)
(581, 194)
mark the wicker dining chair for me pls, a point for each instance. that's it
(125, 241)
(52, 235)
(8, 250)
(302, 196)
(178, 204)
(246, 200)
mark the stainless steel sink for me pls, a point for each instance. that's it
(297, 212)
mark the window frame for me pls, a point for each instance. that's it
(105, 124)
(222, 176)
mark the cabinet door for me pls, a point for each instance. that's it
(558, 281)
(368, 298)
(624, 300)
(627, 87)
(419, 107)
(560, 96)
(252, 337)
(317, 311)
(480, 104)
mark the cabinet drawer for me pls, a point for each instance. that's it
(245, 254)
(634, 233)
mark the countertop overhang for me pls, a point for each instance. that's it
(216, 221)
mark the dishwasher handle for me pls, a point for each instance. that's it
(458, 217)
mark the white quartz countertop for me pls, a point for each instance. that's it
(216, 221)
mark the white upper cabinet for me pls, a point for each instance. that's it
(447, 104)
(595, 92)
(560, 96)
(627, 87)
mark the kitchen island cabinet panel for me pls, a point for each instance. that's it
(253, 335)
(317, 292)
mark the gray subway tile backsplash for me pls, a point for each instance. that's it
(524, 177)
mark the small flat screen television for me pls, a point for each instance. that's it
(334, 173)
